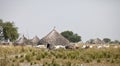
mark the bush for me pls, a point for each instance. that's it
(112, 61)
(22, 60)
(16, 57)
(31, 63)
(22, 56)
(12, 65)
(38, 57)
(13, 60)
(98, 60)
(28, 57)
(33, 53)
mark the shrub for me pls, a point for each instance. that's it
(112, 61)
(98, 60)
(28, 57)
(31, 63)
(12, 65)
(22, 60)
(38, 57)
(30, 50)
(33, 53)
(13, 60)
(35, 62)
(16, 57)
(22, 56)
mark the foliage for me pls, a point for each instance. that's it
(107, 40)
(115, 42)
(71, 36)
(91, 41)
(9, 30)
(28, 57)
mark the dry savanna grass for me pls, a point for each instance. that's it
(26, 56)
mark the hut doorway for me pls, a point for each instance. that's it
(50, 46)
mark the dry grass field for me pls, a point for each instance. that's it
(29, 56)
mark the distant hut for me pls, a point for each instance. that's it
(95, 41)
(52, 39)
(21, 41)
(35, 40)
(90, 41)
(98, 41)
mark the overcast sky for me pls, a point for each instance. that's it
(88, 18)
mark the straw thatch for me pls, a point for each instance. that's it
(21, 41)
(54, 38)
(95, 41)
(35, 40)
(98, 41)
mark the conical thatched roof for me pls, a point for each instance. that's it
(21, 40)
(95, 41)
(98, 41)
(54, 38)
(35, 40)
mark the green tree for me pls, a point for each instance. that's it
(116, 41)
(9, 30)
(91, 41)
(71, 36)
(107, 40)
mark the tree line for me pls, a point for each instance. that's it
(108, 40)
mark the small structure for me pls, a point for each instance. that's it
(53, 39)
(35, 40)
(98, 41)
(21, 41)
(95, 41)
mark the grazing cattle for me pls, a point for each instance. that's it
(59, 46)
(115, 46)
(69, 47)
(99, 47)
(85, 46)
(76, 46)
(40, 46)
(106, 46)
(90, 46)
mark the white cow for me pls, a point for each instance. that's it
(59, 46)
(90, 46)
(99, 47)
(106, 46)
(40, 46)
(85, 46)
(115, 46)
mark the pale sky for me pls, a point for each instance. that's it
(87, 18)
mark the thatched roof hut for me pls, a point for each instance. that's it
(95, 41)
(35, 40)
(21, 41)
(98, 41)
(53, 38)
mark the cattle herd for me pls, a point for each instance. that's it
(81, 46)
